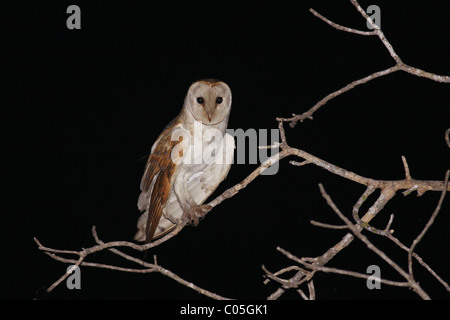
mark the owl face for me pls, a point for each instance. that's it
(209, 101)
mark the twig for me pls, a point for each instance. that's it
(406, 166)
(308, 114)
(299, 164)
(342, 28)
(428, 225)
(326, 225)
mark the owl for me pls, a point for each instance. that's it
(190, 158)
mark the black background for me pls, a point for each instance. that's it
(83, 107)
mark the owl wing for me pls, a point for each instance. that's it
(158, 176)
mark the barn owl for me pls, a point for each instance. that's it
(190, 158)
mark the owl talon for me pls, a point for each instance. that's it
(196, 213)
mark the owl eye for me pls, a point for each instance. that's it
(219, 100)
(200, 100)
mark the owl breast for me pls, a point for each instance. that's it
(202, 173)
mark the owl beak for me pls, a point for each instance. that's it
(209, 111)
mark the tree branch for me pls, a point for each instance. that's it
(399, 65)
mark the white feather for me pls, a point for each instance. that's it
(200, 185)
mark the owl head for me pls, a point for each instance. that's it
(209, 101)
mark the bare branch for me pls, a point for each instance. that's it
(65, 275)
(385, 195)
(342, 28)
(424, 74)
(412, 283)
(428, 225)
(405, 165)
(318, 267)
(420, 260)
(378, 32)
(308, 114)
(299, 164)
(399, 65)
(101, 246)
(326, 225)
(280, 272)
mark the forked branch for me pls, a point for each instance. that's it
(399, 65)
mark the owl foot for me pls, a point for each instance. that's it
(196, 213)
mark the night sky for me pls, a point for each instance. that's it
(82, 109)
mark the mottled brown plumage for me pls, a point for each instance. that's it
(162, 168)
